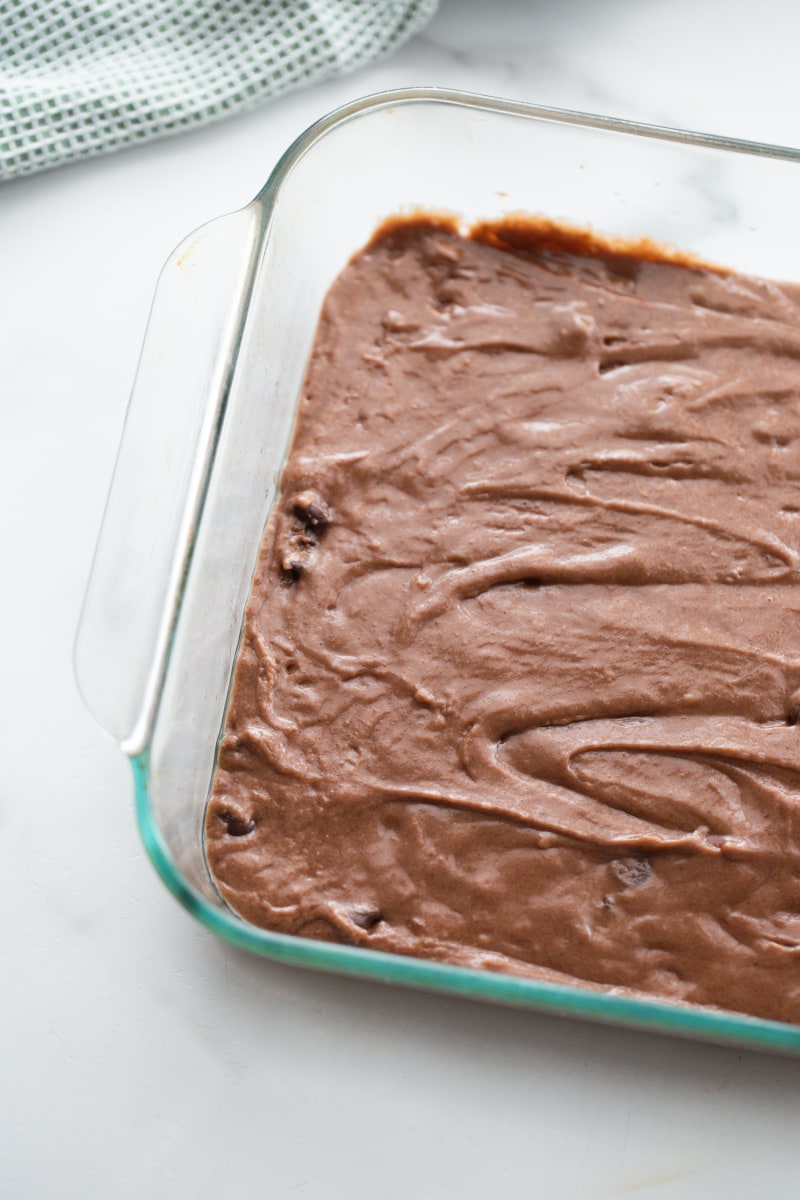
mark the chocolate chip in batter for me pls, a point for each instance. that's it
(296, 556)
(291, 572)
(366, 918)
(237, 826)
(312, 510)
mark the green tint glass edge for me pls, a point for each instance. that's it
(631, 1012)
(649, 1016)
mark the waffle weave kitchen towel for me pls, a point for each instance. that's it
(80, 78)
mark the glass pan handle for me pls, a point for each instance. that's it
(160, 477)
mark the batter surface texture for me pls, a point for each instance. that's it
(520, 676)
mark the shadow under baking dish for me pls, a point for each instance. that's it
(211, 416)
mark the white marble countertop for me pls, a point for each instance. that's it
(140, 1056)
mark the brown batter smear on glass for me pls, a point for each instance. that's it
(520, 678)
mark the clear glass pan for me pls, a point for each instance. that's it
(211, 414)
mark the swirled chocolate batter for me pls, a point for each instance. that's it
(520, 678)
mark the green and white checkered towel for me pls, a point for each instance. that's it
(79, 77)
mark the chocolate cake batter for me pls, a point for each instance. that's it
(520, 678)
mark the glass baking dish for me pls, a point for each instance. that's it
(211, 414)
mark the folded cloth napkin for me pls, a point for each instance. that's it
(79, 78)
